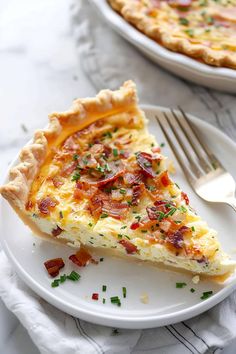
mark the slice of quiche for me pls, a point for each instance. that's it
(95, 177)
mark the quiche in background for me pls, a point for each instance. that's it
(202, 29)
(96, 177)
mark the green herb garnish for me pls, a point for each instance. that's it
(75, 177)
(183, 21)
(104, 215)
(192, 290)
(104, 288)
(180, 285)
(124, 291)
(206, 294)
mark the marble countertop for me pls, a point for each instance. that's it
(40, 72)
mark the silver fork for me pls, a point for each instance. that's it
(205, 173)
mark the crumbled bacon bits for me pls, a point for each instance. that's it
(57, 231)
(53, 266)
(184, 197)
(46, 204)
(95, 296)
(81, 258)
(165, 180)
(130, 247)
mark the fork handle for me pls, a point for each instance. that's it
(232, 203)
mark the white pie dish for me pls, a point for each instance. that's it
(179, 64)
(166, 303)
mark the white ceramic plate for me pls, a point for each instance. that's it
(179, 64)
(166, 303)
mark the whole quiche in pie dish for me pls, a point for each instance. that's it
(202, 29)
(96, 177)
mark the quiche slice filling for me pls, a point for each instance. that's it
(101, 181)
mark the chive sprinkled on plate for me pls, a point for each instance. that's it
(124, 291)
(115, 300)
(192, 290)
(180, 285)
(206, 294)
(101, 259)
(103, 301)
(74, 276)
(104, 288)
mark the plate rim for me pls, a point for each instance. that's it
(138, 322)
(136, 37)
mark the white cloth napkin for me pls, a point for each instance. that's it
(108, 60)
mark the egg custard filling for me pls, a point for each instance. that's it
(203, 29)
(96, 177)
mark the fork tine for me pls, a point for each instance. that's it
(176, 148)
(206, 157)
(185, 145)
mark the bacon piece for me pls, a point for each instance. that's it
(29, 205)
(53, 266)
(46, 204)
(96, 149)
(135, 225)
(116, 171)
(70, 144)
(56, 182)
(81, 258)
(165, 180)
(137, 193)
(68, 169)
(130, 247)
(144, 161)
(57, 231)
(184, 197)
(95, 296)
(115, 209)
(133, 178)
(152, 213)
(176, 238)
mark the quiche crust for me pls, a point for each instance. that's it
(129, 10)
(82, 113)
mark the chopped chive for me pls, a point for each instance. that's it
(104, 288)
(119, 235)
(75, 177)
(192, 290)
(90, 224)
(55, 283)
(180, 285)
(124, 291)
(107, 134)
(123, 227)
(63, 278)
(104, 215)
(103, 301)
(115, 152)
(101, 259)
(151, 188)
(162, 145)
(101, 234)
(61, 214)
(144, 231)
(122, 191)
(74, 276)
(183, 21)
(193, 228)
(206, 294)
(115, 300)
(138, 217)
(75, 157)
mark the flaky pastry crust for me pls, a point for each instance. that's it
(82, 113)
(128, 10)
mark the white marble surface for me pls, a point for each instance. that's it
(39, 72)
